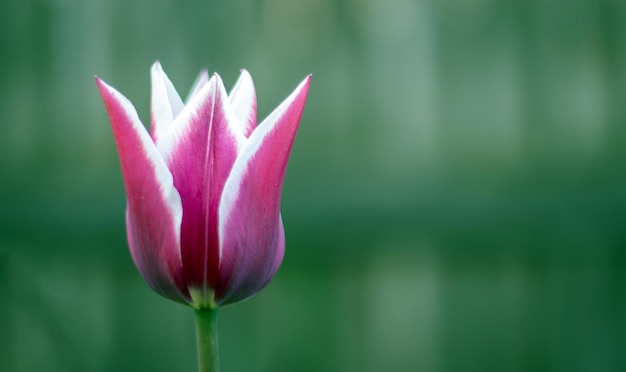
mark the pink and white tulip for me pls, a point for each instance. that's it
(203, 187)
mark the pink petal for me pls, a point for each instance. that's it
(243, 100)
(280, 254)
(165, 102)
(200, 148)
(251, 238)
(154, 209)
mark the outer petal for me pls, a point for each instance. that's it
(200, 148)
(243, 100)
(165, 102)
(154, 209)
(280, 254)
(251, 238)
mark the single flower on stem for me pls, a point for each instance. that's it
(203, 191)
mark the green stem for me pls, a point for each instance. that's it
(206, 335)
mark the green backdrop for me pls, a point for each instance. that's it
(454, 201)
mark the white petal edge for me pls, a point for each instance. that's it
(165, 103)
(231, 116)
(243, 99)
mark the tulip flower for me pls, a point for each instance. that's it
(203, 188)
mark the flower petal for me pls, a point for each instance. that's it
(201, 81)
(251, 239)
(243, 100)
(154, 210)
(280, 254)
(200, 148)
(165, 102)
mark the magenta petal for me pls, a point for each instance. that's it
(251, 238)
(280, 254)
(154, 208)
(200, 148)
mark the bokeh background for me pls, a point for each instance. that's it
(454, 201)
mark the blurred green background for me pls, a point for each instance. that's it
(454, 201)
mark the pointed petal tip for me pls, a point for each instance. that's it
(201, 80)
(242, 97)
(243, 73)
(300, 93)
(302, 88)
(245, 78)
(307, 79)
(204, 74)
(99, 81)
(108, 92)
(219, 83)
(156, 68)
(105, 88)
